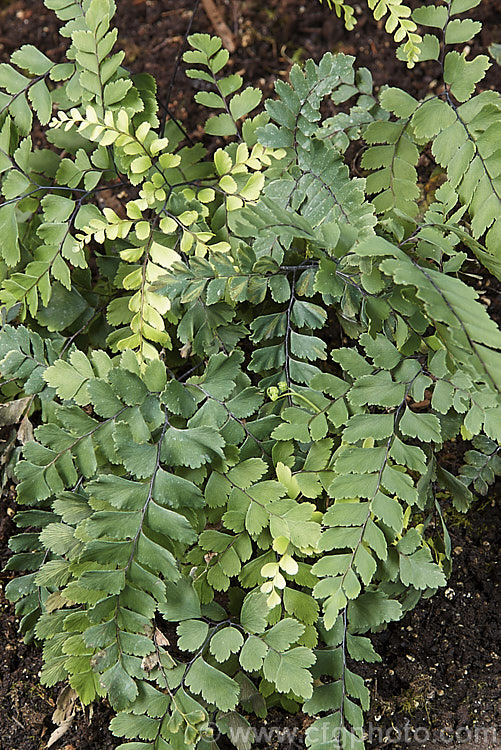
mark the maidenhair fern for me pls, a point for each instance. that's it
(482, 464)
(399, 22)
(461, 127)
(242, 380)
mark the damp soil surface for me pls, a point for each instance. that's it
(439, 682)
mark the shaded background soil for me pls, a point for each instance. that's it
(439, 684)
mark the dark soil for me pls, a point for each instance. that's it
(439, 684)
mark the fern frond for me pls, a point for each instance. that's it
(237, 469)
(398, 23)
(482, 464)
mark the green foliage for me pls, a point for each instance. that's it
(208, 52)
(460, 126)
(398, 22)
(495, 51)
(482, 464)
(242, 379)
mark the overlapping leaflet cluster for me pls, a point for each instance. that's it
(398, 22)
(106, 125)
(242, 377)
(463, 129)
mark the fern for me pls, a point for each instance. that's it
(398, 22)
(207, 453)
(208, 52)
(459, 126)
(482, 464)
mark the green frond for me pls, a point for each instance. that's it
(241, 378)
